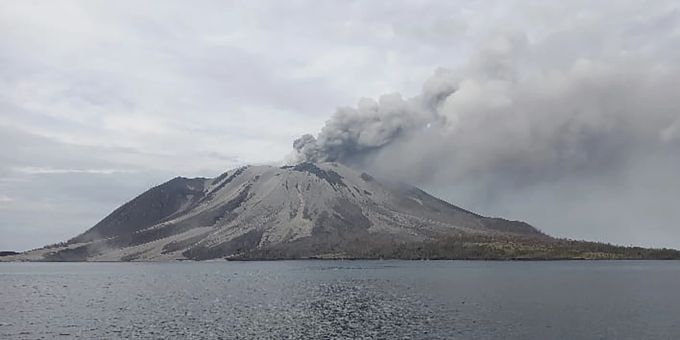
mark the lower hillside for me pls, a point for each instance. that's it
(465, 247)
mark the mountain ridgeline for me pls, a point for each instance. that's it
(309, 210)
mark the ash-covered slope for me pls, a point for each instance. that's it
(307, 210)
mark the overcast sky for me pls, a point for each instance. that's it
(99, 101)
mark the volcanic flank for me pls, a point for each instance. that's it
(309, 210)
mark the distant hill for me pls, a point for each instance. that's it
(309, 210)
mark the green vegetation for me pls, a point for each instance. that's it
(471, 247)
(525, 248)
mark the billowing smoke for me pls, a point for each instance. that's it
(353, 133)
(491, 117)
(515, 123)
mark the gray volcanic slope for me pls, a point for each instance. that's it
(307, 210)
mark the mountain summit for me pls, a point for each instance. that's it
(308, 210)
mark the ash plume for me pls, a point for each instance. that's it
(353, 133)
(513, 123)
(498, 114)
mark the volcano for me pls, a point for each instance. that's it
(309, 210)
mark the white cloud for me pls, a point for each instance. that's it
(48, 171)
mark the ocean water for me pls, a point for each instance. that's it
(341, 299)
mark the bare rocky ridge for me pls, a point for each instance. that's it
(308, 210)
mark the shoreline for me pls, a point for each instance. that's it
(360, 259)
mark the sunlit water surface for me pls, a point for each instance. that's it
(341, 299)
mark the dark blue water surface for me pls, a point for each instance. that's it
(341, 299)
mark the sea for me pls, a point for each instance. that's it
(316, 299)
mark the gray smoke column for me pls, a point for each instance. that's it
(353, 133)
(517, 122)
(504, 112)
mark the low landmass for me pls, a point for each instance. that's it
(478, 247)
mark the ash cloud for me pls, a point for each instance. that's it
(493, 116)
(513, 124)
(354, 134)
